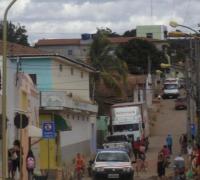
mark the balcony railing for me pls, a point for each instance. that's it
(59, 100)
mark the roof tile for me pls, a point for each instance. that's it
(53, 42)
(17, 49)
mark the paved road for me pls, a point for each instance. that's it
(168, 121)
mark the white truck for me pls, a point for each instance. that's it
(171, 88)
(130, 119)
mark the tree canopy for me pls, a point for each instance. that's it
(131, 33)
(136, 53)
(16, 33)
(103, 58)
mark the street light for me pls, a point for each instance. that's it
(174, 24)
(4, 103)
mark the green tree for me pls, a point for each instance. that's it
(112, 70)
(136, 53)
(16, 33)
(131, 33)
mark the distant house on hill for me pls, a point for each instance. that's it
(78, 49)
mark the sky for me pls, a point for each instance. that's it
(45, 19)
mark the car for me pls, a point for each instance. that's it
(181, 103)
(118, 142)
(112, 164)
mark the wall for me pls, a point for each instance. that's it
(47, 148)
(75, 83)
(42, 67)
(157, 30)
(79, 52)
(80, 137)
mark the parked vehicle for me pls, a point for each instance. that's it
(171, 88)
(181, 103)
(118, 142)
(130, 119)
(112, 164)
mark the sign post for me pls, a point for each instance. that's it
(48, 132)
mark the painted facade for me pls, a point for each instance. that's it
(22, 97)
(77, 49)
(158, 32)
(64, 92)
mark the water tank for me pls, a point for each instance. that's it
(85, 36)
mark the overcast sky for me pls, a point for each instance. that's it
(70, 18)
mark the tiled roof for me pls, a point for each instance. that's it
(17, 49)
(52, 42)
(25, 51)
(113, 40)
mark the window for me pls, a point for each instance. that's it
(70, 52)
(72, 71)
(126, 127)
(34, 78)
(112, 156)
(81, 74)
(149, 35)
(60, 67)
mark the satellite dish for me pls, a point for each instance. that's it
(21, 121)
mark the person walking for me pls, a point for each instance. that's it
(183, 143)
(169, 142)
(136, 148)
(79, 166)
(30, 164)
(16, 157)
(161, 165)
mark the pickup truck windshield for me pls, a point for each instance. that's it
(126, 127)
(112, 156)
(170, 86)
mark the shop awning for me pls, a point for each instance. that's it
(34, 131)
(60, 123)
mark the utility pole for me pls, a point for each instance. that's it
(197, 60)
(188, 91)
(4, 98)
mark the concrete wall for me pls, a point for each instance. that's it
(76, 83)
(69, 152)
(156, 30)
(79, 52)
(80, 131)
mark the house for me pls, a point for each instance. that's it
(22, 99)
(79, 49)
(152, 31)
(63, 84)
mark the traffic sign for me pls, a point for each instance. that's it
(48, 130)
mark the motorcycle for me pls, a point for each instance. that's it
(179, 169)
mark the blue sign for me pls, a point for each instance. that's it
(48, 130)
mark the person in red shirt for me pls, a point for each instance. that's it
(136, 148)
(165, 151)
(79, 163)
